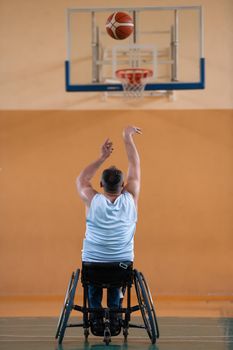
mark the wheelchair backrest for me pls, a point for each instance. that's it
(117, 274)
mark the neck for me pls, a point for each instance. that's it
(112, 196)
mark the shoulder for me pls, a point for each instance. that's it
(126, 193)
(97, 197)
(129, 198)
(93, 203)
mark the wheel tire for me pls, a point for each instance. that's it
(107, 340)
(151, 305)
(68, 306)
(107, 336)
(146, 306)
(64, 306)
(86, 333)
(125, 334)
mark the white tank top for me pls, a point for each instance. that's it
(110, 229)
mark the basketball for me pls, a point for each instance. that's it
(119, 25)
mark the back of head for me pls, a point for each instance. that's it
(112, 179)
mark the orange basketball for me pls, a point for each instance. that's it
(119, 25)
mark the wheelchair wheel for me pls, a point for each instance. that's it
(86, 333)
(64, 305)
(68, 306)
(146, 306)
(152, 305)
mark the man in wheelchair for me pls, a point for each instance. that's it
(111, 219)
(108, 252)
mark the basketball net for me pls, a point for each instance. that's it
(134, 80)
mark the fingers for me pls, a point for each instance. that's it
(138, 130)
(107, 148)
(108, 144)
(134, 130)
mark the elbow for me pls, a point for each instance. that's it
(79, 182)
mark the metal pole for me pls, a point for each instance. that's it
(135, 27)
(172, 53)
(129, 9)
(94, 49)
(201, 24)
(135, 54)
(68, 35)
(174, 46)
(98, 55)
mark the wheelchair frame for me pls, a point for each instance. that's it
(145, 305)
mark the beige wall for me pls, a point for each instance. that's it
(184, 236)
(33, 50)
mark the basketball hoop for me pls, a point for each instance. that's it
(134, 80)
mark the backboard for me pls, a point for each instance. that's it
(166, 40)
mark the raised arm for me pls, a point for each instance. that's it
(134, 173)
(85, 189)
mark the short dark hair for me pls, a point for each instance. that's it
(112, 179)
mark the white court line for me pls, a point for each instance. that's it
(196, 341)
(163, 324)
(189, 325)
(183, 338)
(197, 336)
(29, 325)
(133, 337)
(38, 336)
(130, 342)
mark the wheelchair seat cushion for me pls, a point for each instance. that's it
(115, 274)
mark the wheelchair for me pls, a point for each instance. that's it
(108, 275)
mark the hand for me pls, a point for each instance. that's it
(106, 149)
(131, 130)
